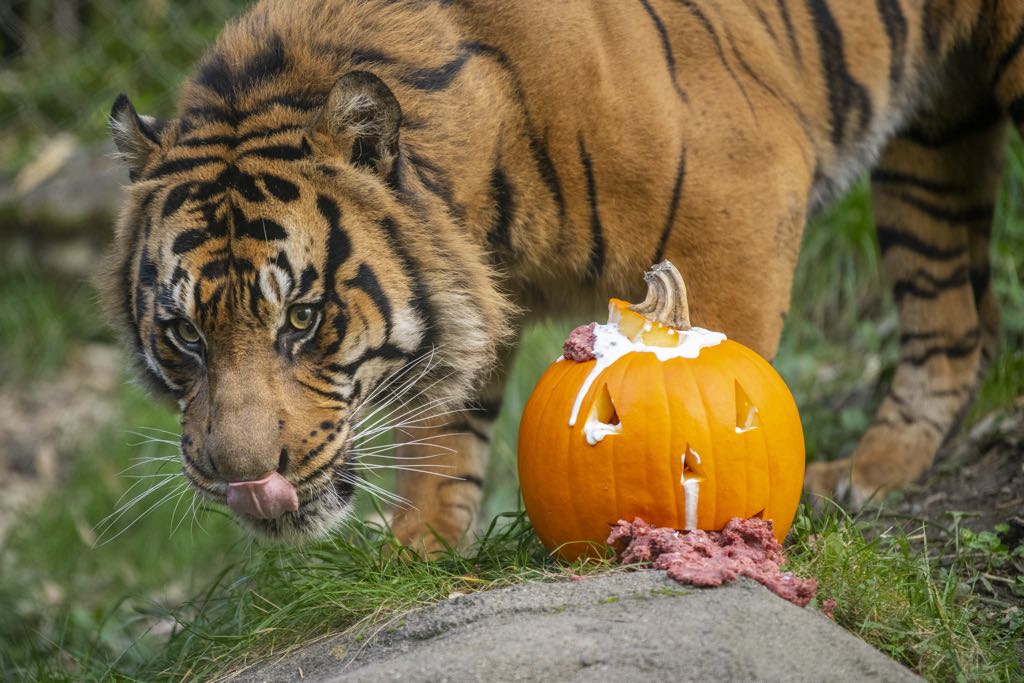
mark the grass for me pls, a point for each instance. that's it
(898, 597)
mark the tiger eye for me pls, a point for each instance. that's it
(300, 316)
(187, 332)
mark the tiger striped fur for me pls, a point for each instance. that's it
(427, 174)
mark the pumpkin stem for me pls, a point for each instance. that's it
(666, 297)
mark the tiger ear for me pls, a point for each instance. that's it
(362, 114)
(137, 137)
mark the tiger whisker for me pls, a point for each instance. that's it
(100, 541)
(407, 418)
(156, 429)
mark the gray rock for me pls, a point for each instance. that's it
(627, 626)
(69, 186)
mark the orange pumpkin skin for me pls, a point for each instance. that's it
(751, 462)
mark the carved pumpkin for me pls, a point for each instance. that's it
(671, 423)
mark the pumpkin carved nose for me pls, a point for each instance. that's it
(266, 498)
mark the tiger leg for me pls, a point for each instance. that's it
(443, 468)
(933, 195)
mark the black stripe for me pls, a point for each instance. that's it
(488, 409)
(269, 63)
(670, 219)
(546, 169)
(981, 278)
(499, 237)
(896, 178)
(932, 21)
(844, 93)
(710, 30)
(420, 300)
(214, 269)
(464, 479)
(217, 75)
(384, 352)
(907, 337)
(235, 140)
(369, 56)
(467, 427)
(284, 152)
(208, 141)
(890, 237)
(339, 247)
(767, 25)
(333, 395)
(175, 198)
(960, 349)
(182, 165)
(538, 145)
(189, 240)
(790, 31)
(366, 280)
(436, 180)
(1008, 56)
(234, 117)
(597, 233)
(284, 190)
(438, 78)
(909, 417)
(979, 121)
(258, 229)
(896, 30)
(306, 280)
(666, 48)
(923, 285)
(971, 214)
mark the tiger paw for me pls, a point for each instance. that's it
(826, 482)
(433, 536)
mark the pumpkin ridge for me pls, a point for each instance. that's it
(708, 416)
(624, 372)
(571, 469)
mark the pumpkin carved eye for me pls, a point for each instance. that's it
(301, 316)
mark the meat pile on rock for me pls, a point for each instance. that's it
(745, 547)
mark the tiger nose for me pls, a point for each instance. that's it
(266, 498)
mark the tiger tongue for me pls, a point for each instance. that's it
(266, 498)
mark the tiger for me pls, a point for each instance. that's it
(358, 205)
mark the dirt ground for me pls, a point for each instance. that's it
(980, 473)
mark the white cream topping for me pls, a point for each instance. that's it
(691, 492)
(610, 345)
(595, 430)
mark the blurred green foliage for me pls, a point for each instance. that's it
(64, 62)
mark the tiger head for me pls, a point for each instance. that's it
(277, 268)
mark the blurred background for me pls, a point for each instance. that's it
(78, 439)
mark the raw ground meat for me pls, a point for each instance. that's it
(580, 344)
(745, 547)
